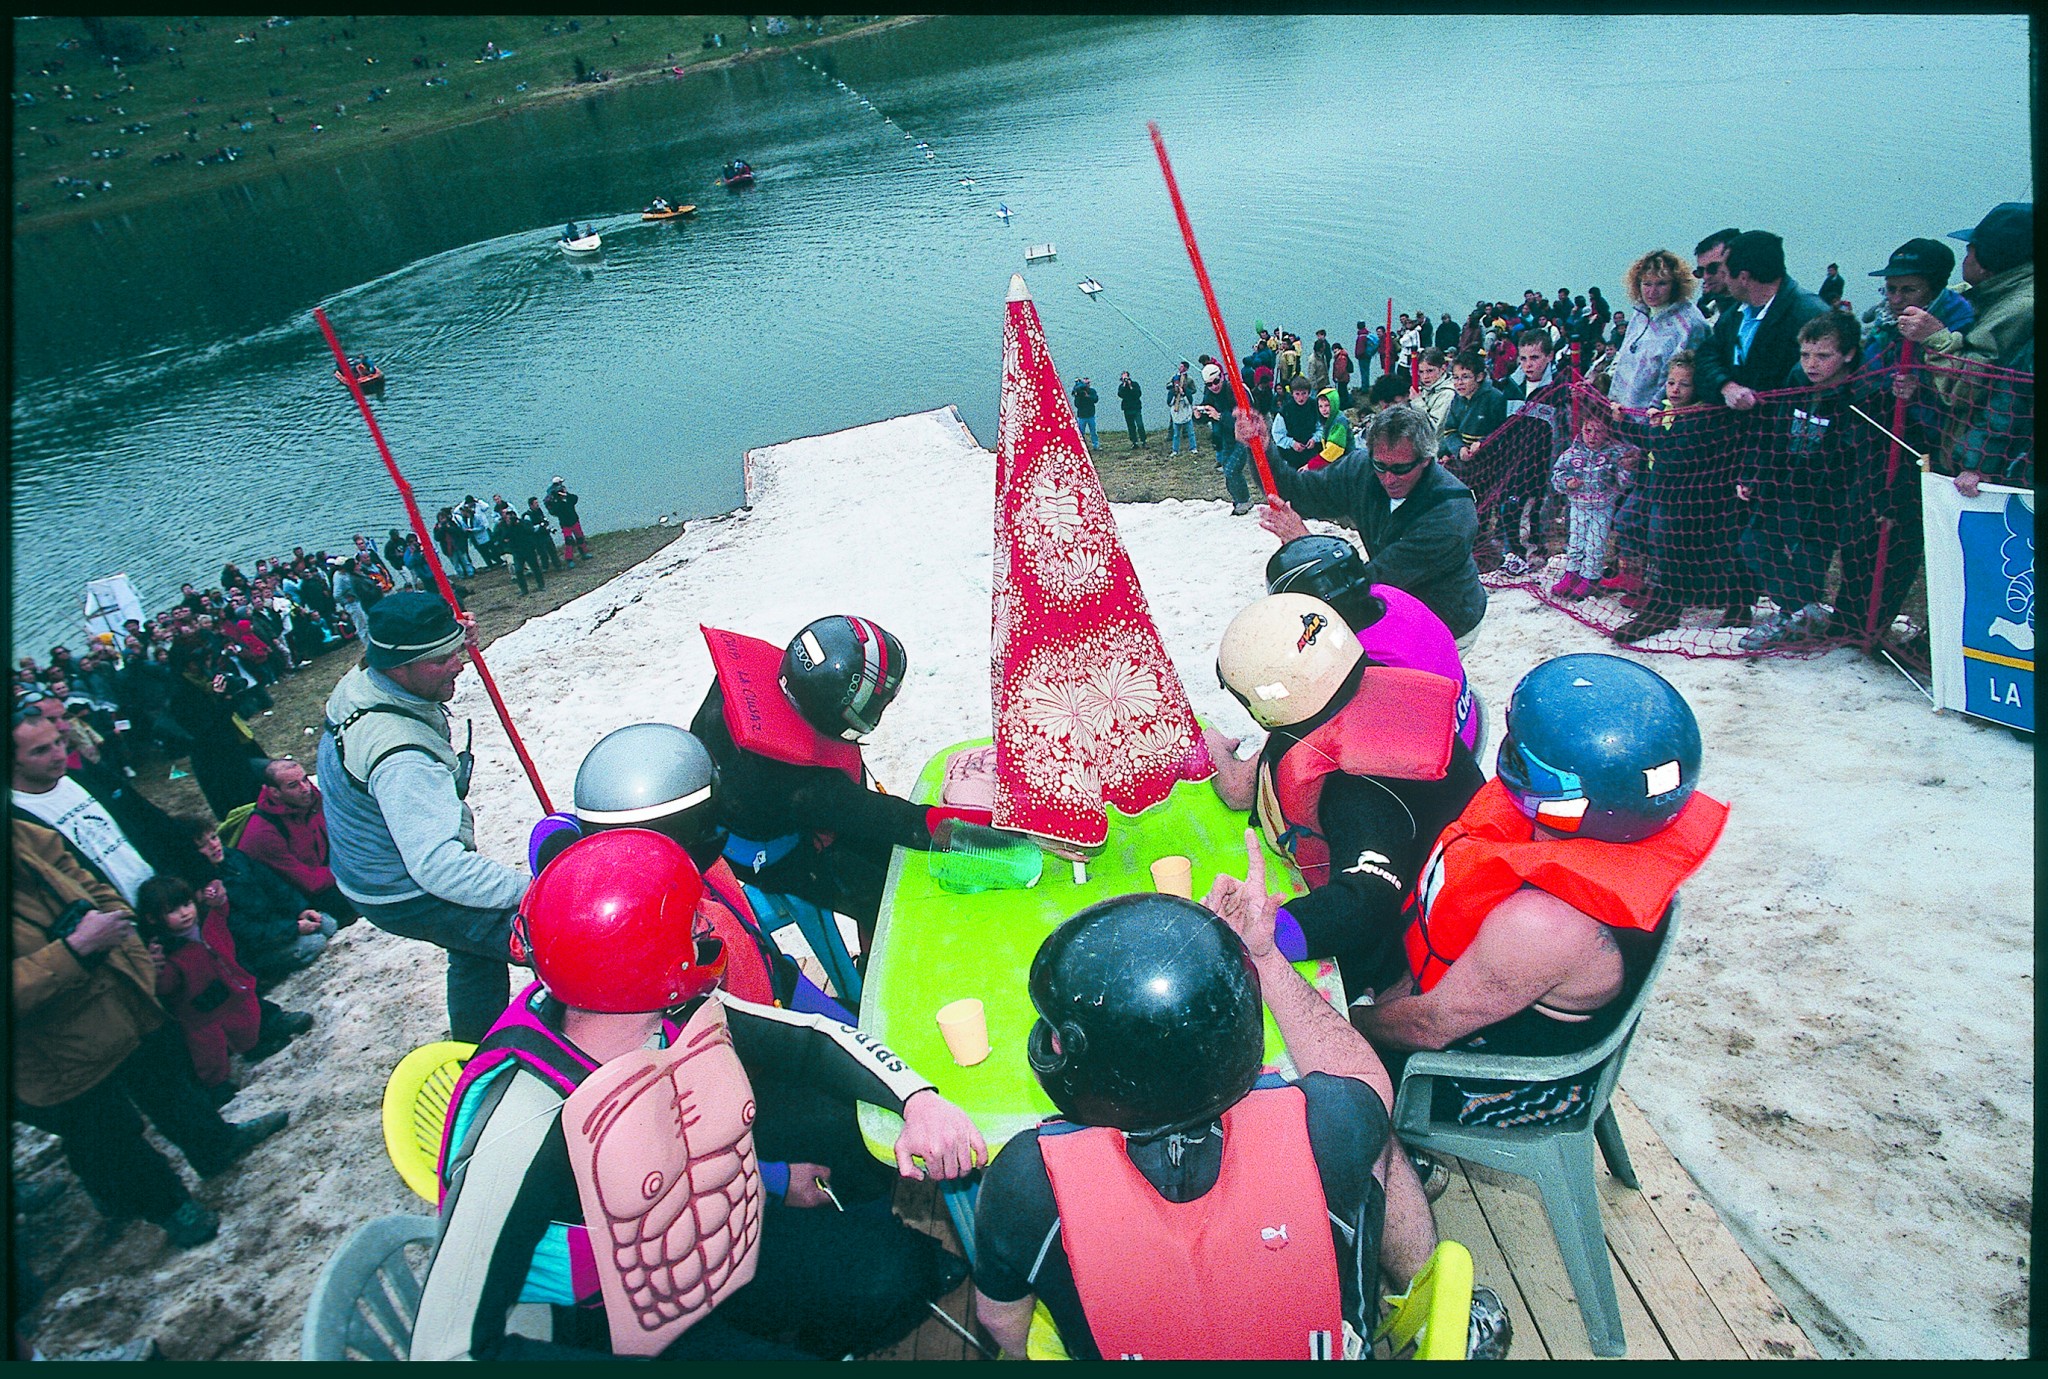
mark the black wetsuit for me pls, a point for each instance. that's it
(775, 808)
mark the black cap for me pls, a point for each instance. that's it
(1930, 258)
(411, 626)
(2004, 238)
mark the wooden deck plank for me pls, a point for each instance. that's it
(1753, 1313)
(1515, 1214)
(1459, 1218)
(1690, 1323)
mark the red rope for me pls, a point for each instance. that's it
(419, 527)
(1187, 235)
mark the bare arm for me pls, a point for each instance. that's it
(1531, 946)
(1008, 1322)
(1319, 1038)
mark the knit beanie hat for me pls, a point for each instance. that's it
(411, 626)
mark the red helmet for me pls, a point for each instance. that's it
(609, 926)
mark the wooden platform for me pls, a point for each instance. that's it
(1687, 1291)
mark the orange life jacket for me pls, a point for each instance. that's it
(1247, 1271)
(1492, 850)
(759, 715)
(1400, 724)
(749, 953)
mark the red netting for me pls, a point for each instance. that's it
(1704, 530)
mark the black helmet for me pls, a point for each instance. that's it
(647, 775)
(1149, 1015)
(1599, 747)
(841, 672)
(1328, 568)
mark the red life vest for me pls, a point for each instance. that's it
(1247, 1271)
(1492, 850)
(759, 715)
(1399, 724)
(749, 954)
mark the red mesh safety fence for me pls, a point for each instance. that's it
(1785, 529)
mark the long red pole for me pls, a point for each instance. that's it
(419, 527)
(1387, 341)
(1187, 236)
(1884, 521)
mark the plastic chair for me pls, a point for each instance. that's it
(820, 930)
(367, 1297)
(416, 1108)
(1557, 1157)
(1435, 1314)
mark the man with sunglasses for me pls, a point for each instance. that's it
(401, 841)
(1416, 520)
(1711, 267)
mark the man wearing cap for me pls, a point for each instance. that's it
(1219, 408)
(401, 841)
(562, 503)
(1915, 277)
(1986, 425)
(1999, 269)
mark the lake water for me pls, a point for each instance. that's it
(174, 406)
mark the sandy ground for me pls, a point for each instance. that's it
(1840, 1052)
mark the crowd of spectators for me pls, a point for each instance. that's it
(144, 942)
(1678, 476)
(191, 679)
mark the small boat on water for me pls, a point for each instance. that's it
(667, 212)
(738, 173)
(366, 381)
(1040, 253)
(588, 244)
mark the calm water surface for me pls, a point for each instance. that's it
(173, 405)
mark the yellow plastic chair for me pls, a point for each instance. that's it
(415, 1109)
(1435, 1313)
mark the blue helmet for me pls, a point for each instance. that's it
(1599, 747)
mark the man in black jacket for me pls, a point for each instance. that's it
(1755, 344)
(1132, 397)
(1417, 521)
(562, 503)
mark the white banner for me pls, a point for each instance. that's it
(110, 602)
(1980, 599)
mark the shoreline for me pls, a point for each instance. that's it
(247, 170)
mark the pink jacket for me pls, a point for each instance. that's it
(292, 843)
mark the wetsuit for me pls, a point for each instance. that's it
(1020, 1252)
(773, 811)
(846, 1282)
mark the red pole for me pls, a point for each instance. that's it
(419, 527)
(1187, 236)
(1387, 341)
(1884, 521)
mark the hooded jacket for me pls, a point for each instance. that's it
(291, 842)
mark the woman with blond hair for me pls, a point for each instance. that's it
(1663, 322)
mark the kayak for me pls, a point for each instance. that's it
(589, 244)
(672, 213)
(373, 379)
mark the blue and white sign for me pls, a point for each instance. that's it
(1980, 599)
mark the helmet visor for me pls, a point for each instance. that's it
(1550, 795)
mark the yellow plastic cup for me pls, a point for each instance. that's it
(964, 1026)
(1174, 876)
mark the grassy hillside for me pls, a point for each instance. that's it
(168, 93)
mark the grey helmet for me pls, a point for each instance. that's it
(648, 775)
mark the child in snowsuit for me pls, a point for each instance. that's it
(1592, 473)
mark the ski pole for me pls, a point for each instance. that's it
(433, 558)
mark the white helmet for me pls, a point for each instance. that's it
(1285, 658)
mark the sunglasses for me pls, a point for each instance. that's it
(1408, 468)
